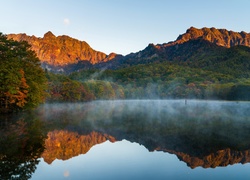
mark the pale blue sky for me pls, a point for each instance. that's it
(121, 26)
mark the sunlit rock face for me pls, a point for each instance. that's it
(221, 37)
(64, 145)
(218, 37)
(62, 50)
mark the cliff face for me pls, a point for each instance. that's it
(220, 37)
(62, 50)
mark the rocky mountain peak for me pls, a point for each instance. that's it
(62, 50)
(49, 35)
(221, 37)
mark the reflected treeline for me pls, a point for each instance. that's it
(21, 144)
(201, 133)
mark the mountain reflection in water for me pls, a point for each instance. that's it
(200, 133)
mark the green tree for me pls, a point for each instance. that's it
(22, 80)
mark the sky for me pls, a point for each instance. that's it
(121, 26)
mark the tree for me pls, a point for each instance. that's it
(22, 80)
(19, 96)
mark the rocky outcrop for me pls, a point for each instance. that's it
(220, 37)
(62, 50)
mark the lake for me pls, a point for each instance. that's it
(128, 139)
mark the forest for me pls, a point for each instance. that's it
(206, 72)
(148, 81)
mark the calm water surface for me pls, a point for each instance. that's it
(132, 139)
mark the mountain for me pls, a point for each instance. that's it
(197, 53)
(217, 37)
(188, 51)
(62, 50)
(216, 50)
(220, 37)
(201, 48)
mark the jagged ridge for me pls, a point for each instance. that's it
(220, 37)
(62, 50)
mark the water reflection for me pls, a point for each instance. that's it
(124, 160)
(63, 144)
(121, 160)
(204, 134)
(21, 146)
(201, 133)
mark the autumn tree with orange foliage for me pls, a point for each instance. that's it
(22, 80)
(18, 98)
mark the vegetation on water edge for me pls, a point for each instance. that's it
(22, 80)
(150, 81)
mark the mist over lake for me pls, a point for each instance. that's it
(150, 139)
